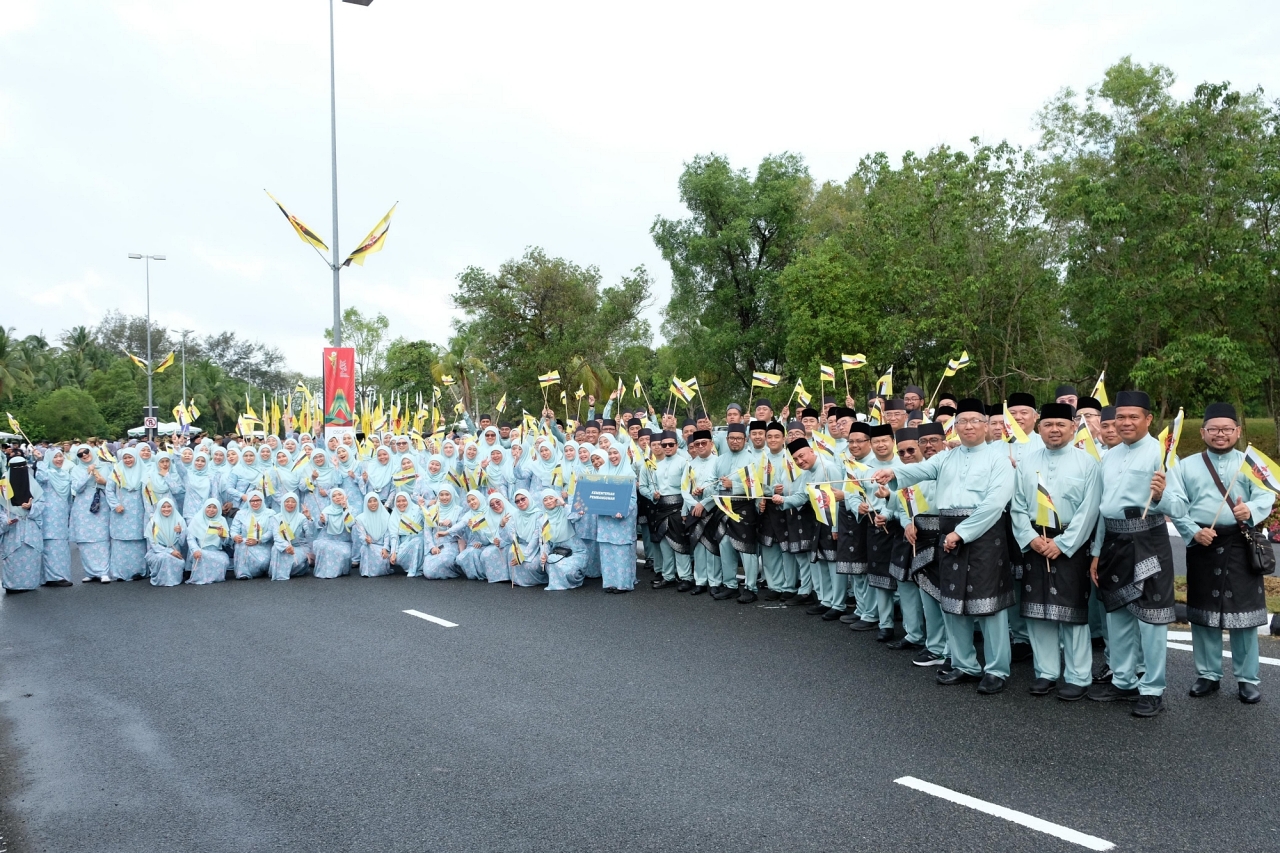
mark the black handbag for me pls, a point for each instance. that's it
(1262, 556)
(95, 506)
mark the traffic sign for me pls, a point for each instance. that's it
(151, 423)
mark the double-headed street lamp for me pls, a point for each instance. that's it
(151, 409)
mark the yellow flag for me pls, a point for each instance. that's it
(726, 506)
(884, 385)
(142, 363)
(1100, 390)
(305, 233)
(957, 364)
(166, 362)
(1014, 428)
(373, 242)
(1084, 441)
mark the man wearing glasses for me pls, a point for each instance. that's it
(921, 532)
(974, 485)
(855, 554)
(885, 531)
(666, 527)
(1223, 593)
(1132, 558)
(699, 490)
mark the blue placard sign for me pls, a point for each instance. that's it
(605, 495)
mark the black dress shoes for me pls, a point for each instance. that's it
(884, 635)
(723, 593)
(1071, 692)
(747, 596)
(1249, 693)
(1148, 706)
(816, 609)
(955, 676)
(662, 583)
(1042, 687)
(990, 684)
(699, 589)
(1108, 692)
(863, 625)
(798, 600)
(832, 615)
(684, 586)
(903, 645)
(770, 595)
(1203, 687)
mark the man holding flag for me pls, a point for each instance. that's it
(1055, 509)
(1223, 593)
(735, 470)
(1132, 558)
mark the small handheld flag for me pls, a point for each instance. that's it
(827, 374)
(823, 500)
(765, 380)
(884, 385)
(546, 380)
(1169, 441)
(638, 389)
(502, 404)
(1260, 470)
(1100, 390)
(1015, 429)
(852, 362)
(957, 364)
(1046, 512)
(1084, 440)
(579, 394)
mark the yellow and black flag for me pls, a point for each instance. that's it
(304, 232)
(167, 362)
(373, 242)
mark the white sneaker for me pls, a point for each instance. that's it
(105, 579)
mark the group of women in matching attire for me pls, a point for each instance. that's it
(477, 507)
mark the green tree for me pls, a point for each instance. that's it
(13, 372)
(120, 393)
(409, 366)
(725, 318)
(538, 314)
(65, 414)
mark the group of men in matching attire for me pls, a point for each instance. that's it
(944, 518)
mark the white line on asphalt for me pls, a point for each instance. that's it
(443, 623)
(1022, 818)
(1226, 654)
(1264, 630)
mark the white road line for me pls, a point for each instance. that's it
(445, 623)
(1022, 818)
(1264, 630)
(1226, 654)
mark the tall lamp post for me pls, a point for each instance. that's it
(151, 409)
(333, 139)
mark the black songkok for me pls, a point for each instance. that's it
(796, 446)
(774, 426)
(1220, 410)
(1138, 399)
(907, 434)
(895, 405)
(971, 404)
(1022, 398)
(930, 429)
(882, 429)
(740, 429)
(1088, 403)
(758, 425)
(1058, 411)
(699, 435)
(860, 427)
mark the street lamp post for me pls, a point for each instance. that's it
(333, 140)
(185, 332)
(151, 409)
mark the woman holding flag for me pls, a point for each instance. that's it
(474, 536)
(445, 526)
(566, 555)
(165, 534)
(54, 507)
(528, 550)
(405, 537)
(616, 534)
(291, 553)
(207, 535)
(370, 535)
(253, 531)
(127, 518)
(332, 546)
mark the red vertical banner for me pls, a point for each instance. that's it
(339, 391)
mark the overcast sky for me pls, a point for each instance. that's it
(154, 126)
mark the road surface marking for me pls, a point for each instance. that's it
(1226, 654)
(1264, 630)
(443, 623)
(1022, 818)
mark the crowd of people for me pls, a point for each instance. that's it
(1040, 528)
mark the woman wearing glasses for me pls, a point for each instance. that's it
(90, 527)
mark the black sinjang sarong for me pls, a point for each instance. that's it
(665, 523)
(1135, 568)
(976, 578)
(1222, 591)
(1057, 591)
(851, 546)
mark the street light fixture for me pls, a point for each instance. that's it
(333, 138)
(151, 409)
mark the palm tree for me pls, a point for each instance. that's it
(461, 362)
(77, 339)
(212, 390)
(13, 373)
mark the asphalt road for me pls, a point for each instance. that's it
(317, 716)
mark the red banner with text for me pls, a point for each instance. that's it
(339, 391)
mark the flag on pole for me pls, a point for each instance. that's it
(13, 423)
(622, 389)
(884, 385)
(852, 362)
(447, 380)
(167, 361)
(580, 393)
(1260, 469)
(826, 374)
(1100, 390)
(638, 389)
(564, 398)
(1084, 440)
(682, 389)
(1046, 512)
(502, 404)
(765, 380)
(373, 242)
(517, 552)
(956, 364)
(913, 501)
(1169, 441)
(305, 233)
(801, 394)
(141, 362)
(548, 379)
(692, 384)
(1015, 430)
(193, 410)
(823, 500)
(726, 506)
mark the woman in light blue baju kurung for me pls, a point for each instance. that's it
(497, 471)
(200, 485)
(332, 546)
(616, 534)
(161, 481)
(540, 467)
(376, 477)
(428, 485)
(90, 528)
(590, 461)
(445, 523)
(474, 535)
(495, 556)
(284, 480)
(21, 544)
(207, 535)
(253, 531)
(127, 519)
(369, 537)
(526, 534)
(54, 507)
(563, 571)
(291, 554)
(319, 482)
(405, 536)
(165, 534)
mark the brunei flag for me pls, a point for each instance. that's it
(579, 394)
(409, 527)
(432, 516)
(1016, 432)
(1046, 512)
(801, 394)
(1260, 470)
(141, 362)
(884, 385)
(13, 423)
(876, 415)
(913, 501)
(826, 374)
(726, 506)
(956, 364)
(167, 361)
(1169, 441)
(683, 390)
(305, 233)
(1100, 390)
(852, 362)
(1084, 440)
(286, 532)
(823, 500)
(638, 389)
(502, 404)
(446, 381)
(518, 554)
(374, 242)
(546, 530)
(477, 523)
(219, 530)
(750, 482)
(301, 461)
(765, 380)
(546, 380)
